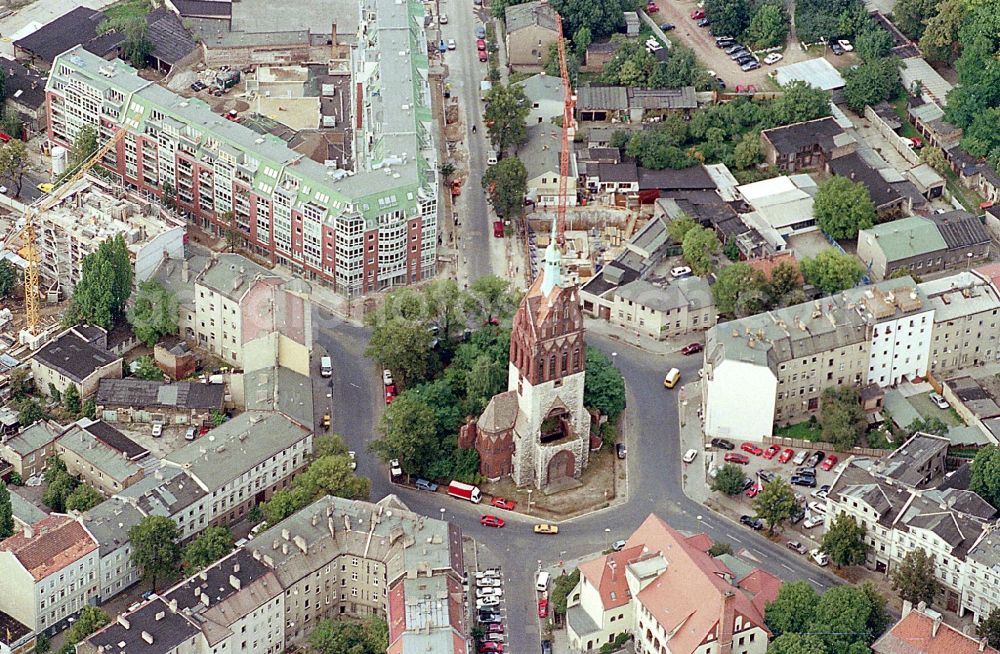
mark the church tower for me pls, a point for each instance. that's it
(546, 374)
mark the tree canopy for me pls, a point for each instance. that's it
(728, 16)
(507, 109)
(6, 512)
(155, 550)
(603, 385)
(842, 420)
(337, 637)
(842, 207)
(845, 541)
(90, 620)
(14, 163)
(506, 184)
(738, 290)
(845, 619)
(8, 279)
(209, 546)
(873, 81)
(729, 479)
(776, 503)
(985, 478)
(105, 285)
(832, 271)
(989, 628)
(913, 578)
(768, 26)
(700, 245)
(911, 16)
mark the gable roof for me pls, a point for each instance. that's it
(528, 14)
(800, 136)
(171, 42)
(73, 28)
(23, 86)
(918, 633)
(905, 238)
(53, 543)
(960, 229)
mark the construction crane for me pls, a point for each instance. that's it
(567, 125)
(42, 204)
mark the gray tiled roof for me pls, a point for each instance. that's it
(73, 356)
(146, 394)
(109, 522)
(166, 492)
(517, 17)
(961, 229)
(610, 98)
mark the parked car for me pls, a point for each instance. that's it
(721, 82)
(451, 44)
(690, 455)
(480, 32)
(812, 521)
(680, 271)
(773, 58)
(491, 647)
(734, 47)
(544, 528)
(796, 546)
(353, 456)
(489, 591)
(836, 49)
(741, 57)
(494, 628)
(157, 429)
(191, 433)
(704, 22)
(829, 462)
(543, 608)
(770, 452)
(750, 65)
(723, 444)
(489, 617)
(487, 582)
(620, 450)
(754, 523)
(806, 471)
(803, 480)
(692, 348)
(817, 507)
(199, 86)
(786, 455)
(443, 19)
(487, 602)
(752, 491)
(846, 45)
(939, 401)
(483, 56)
(666, 27)
(766, 477)
(821, 493)
(491, 521)
(394, 468)
(501, 503)
(724, 42)
(480, 44)
(752, 449)
(741, 459)
(819, 556)
(816, 457)
(618, 545)
(800, 458)
(423, 484)
(697, 14)
(651, 8)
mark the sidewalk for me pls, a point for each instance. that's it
(695, 474)
(630, 337)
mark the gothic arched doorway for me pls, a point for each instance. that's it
(561, 466)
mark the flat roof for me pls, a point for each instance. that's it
(817, 73)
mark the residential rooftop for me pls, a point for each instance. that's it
(165, 492)
(109, 522)
(100, 456)
(75, 357)
(50, 545)
(150, 394)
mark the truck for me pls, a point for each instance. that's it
(326, 366)
(465, 492)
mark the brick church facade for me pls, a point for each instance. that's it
(538, 431)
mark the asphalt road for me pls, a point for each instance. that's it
(465, 72)
(654, 477)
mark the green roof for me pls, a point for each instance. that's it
(907, 237)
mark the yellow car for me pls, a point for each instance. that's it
(46, 187)
(546, 529)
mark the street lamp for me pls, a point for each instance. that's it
(607, 537)
(529, 501)
(442, 513)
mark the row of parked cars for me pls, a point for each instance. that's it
(803, 458)
(490, 610)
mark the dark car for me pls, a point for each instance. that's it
(620, 450)
(766, 477)
(736, 54)
(489, 617)
(733, 47)
(754, 523)
(816, 457)
(748, 483)
(198, 86)
(722, 82)
(546, 647)
(802, 470)
(692, 348)
(745, 59)
(723, 444)
(750, 65)
(724, 43)
(836, 49)
(704, 22)
(803, 480)
(666, 27)
(797, 518)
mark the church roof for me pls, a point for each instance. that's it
(500, 414)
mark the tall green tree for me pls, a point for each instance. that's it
(699, 247)
(738, 290)
(913, 578)
(6, 512)
(989, 628)
(84, 147)
(793, 609)
(105, 285)
(776, 503)
(842, 207)
(601, 17)
(404, 348)
(561, 588)
(729, 479)
(29, 411)
(210, 546)
(603, 385)
(873, 43)
(872, 82)
(784, 286)
(679, 227)
(90, 620)
(845, 541)
(797, 644)
(985, 478)
(8, 279)
(409, 433)
(71, 400)
(842, 420)
(14, 163)
(155, 550)
(832, 271)
(769, 25)
(492, 297)
(83, 498)
(506, 184)
(933, 155)
(940, 39)
(507, 109)
(145, 368)
(155, 312)
(334, 637)
(136, 48)
(730, 17)
(911, 16)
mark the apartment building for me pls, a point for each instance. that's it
(359, 229)
(965, 305)
(28, 450)
(50, 572)
(242, 462)
(341, 557)
(91, 212)
(922, 631)
(903, 506)
(108, 524)
(663, 311)
(101, 456)
(773, 367)
(667, 591)
(78, 356)
(172, 493)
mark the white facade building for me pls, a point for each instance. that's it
(899, 346)
(740, 398)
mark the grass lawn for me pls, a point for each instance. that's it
(126, 9)
(802, 430)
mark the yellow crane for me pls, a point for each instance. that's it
(42, 204)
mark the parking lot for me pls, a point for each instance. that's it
(484, 589)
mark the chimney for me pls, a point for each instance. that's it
(123, 621)
(922, 606)
(185, 271)
(28, 532)
(160, 615)
(148, 637)
(173, 605)
(284, 534)
(234, 582)
(907, 608)
(333, 34)
(936, 626)
(727, 620)
(236, 568)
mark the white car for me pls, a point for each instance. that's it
(773, 58)
(354, 461)
(846, 45)
(483, 602)
(157, 429)
(680, 271)
(819, 557)
(488, 591)
(394, 469)
(939, 401)
(451, 44)
(488, 574)
(444, 19)
(386, 376)
(811, 522)
(488, 582)
(818, 507)
(652, 45)
(800, 458)
(3, 189)
(690, 455)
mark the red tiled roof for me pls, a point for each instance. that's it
(55, 542)
(607, 574)
(914, 634)
(766, 265)
(991, 272)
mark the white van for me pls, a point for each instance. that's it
(326, 366)
(491, 158)
(542, 581)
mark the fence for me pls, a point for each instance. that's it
(894, 139)
(801, 443)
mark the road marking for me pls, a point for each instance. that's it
(787, 567)
(737, 539)
(819, 584)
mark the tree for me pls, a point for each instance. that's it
(234, 235)
(985, 479)
(873, 43)
(843, 422)
(561, 588)
(447, 169)
(105, 286)
(982, 136)
(768, 26)
(847, 617)
(145, 368)
(29, 411)
(369, 637)
(792, 610)
(331, 475)
(601, 17)
(911, 16)
(933, 155)
(736, 288)
(137, 47)
(89, 409)
(14, 163)
(776, 503)
(728, 16)
(6, 513)
(12, 123)
(507, 108)
(18, 383)
(499, 7)
(931, 425)
(660, 148)
(679, 227)
(940, 40)
(59, 484)
(797, 644)
(8, 279)
(403, 347)
(71, 399)
(784, 286)
(719, 548)
(699, 247)
(842, 207)
(90, 620)
(83, 498)
(914, 578)
(154, 547)
(989, 628)
(409, 433)
(832, 271)
(506, 184)
(329, 445)
(747, 152)
(54, 393)
(210, 546)
(84, 147)
(729, 479)
(603, 385)
(169, 197)
(444, 308)
(154, 312)
(845, 541)
(872, 82)
(491, 297)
